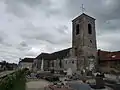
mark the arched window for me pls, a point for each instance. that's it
(72, 62)
(53, 64)
(60, 63)
(48, 62)
(89, 29)
(75, 51)
(77, 29)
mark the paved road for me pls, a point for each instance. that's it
(36, 85)
(2, 74)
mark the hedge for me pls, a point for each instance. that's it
(15, 81)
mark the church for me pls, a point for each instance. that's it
(82, 56)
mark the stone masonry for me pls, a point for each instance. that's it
(84, 42)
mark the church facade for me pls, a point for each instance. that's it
(82, 56)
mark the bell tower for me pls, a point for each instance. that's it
(84, 42)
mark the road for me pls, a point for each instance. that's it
(2, 74)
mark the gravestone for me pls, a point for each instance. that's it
(89, 73)
(69, 72)
(100, 82)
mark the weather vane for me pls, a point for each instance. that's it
(83, 9)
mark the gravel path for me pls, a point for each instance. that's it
(36, 85)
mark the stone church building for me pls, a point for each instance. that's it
(82, 56)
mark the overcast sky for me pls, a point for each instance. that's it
(29, 27)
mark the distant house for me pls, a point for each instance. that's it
(108, 59)
(11, 66)
(2, 66)
(26, 63)
(7, 66)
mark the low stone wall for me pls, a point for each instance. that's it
(3, 74)
(114, 78)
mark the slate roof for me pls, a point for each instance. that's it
(82, 15)
(53, 56)
(30, 60)
(44, 56)
(105, 55)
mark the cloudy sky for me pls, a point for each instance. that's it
(29, 27)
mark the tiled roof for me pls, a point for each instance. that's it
(27, 60)
(116, 55)
(105, 55)
(44, 56)
(53, 56)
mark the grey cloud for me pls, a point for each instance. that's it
(42, 24)
(63, 29)
(16, 8)
(102, 11)
(40, 35)
(3, 38)
(107, 16)
(23, 49)
(110, 41)
(21, 8)
(55, 35)
(36, 2)
(23, 44)
(31, 54)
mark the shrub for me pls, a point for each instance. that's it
(15, 81)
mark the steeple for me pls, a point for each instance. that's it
(84, 40)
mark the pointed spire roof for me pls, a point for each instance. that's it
(82, 15)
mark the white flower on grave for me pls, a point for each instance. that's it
(113, 56)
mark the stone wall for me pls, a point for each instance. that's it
(84, 43)
(70, 63)
(26, 65)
